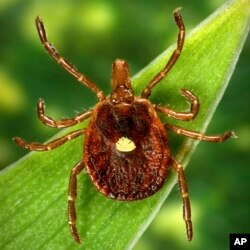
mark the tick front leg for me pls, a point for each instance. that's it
(64, 63)
(72, 194)
(34, 146)
(184, 116)
(174, 57)
(64, 123)
(199, 136)
(185, 197)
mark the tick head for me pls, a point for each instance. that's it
(121, 83)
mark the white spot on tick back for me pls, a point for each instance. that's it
(124, 144)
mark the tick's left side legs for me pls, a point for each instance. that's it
(64, 63)
(185, 197)
(34, 146)
(72, 193)
(64, 123)
(199, 136)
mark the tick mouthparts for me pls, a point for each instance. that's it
(121, 83)
(120, 75)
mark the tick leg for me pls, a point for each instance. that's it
(66, 65)
(181, 37)
(199, 136)
(185, 197)
(64, 123)
(34, 146)
(185, 116)
(72, 193)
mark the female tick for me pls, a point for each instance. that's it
(126, 150)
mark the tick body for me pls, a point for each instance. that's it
(126, 150)
(133, 174)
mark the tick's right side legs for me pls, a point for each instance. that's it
(199, 136)
(72, 193)
(184, 116)
(185, 197)
(174, 57)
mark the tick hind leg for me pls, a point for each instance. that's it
(72, 194)
(199, 136)
(34, 146)
(185, 197)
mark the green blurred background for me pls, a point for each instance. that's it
(91, 35)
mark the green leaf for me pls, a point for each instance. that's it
(33, 191)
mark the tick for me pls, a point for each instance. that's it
(126, 149)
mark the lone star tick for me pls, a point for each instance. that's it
(126, 150)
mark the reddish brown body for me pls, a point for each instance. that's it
(126, 175)
(126, 150)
